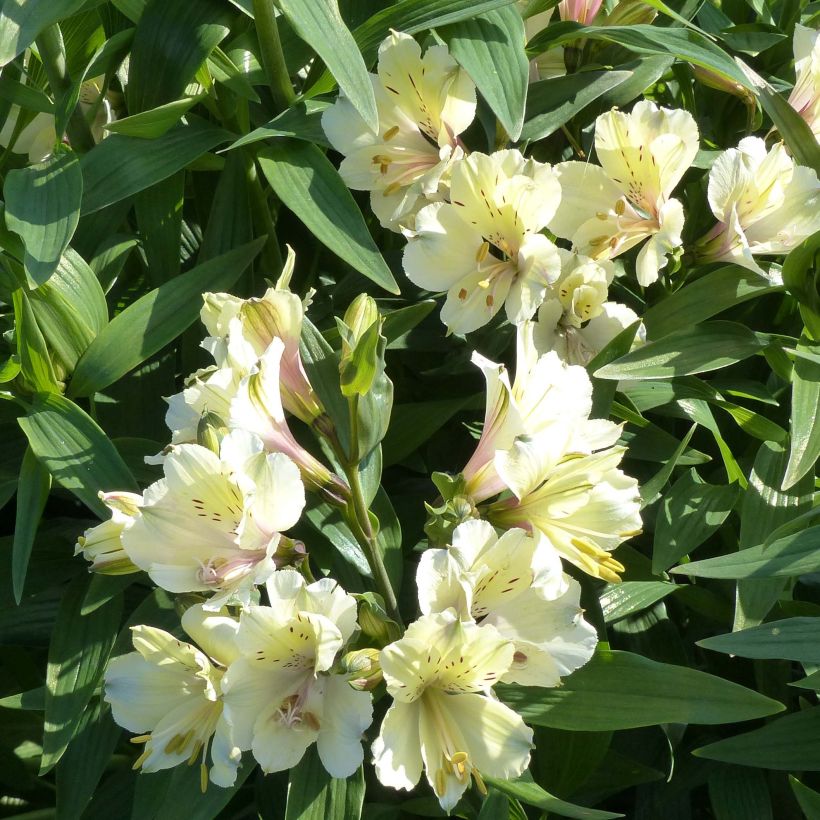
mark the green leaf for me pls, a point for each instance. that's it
(171, 42)
(77, 453)
(490, 48)
(800, 276)
(110, 258)
(738, 793)
(619, 690)
(793, 639)
(70, 308)
(43, 207)
(554, 102)
(651, 489)
(696, 349)
(156, 319)
(788, 743)
(159, 219)
(305, 180)
(628, 597)
(21, 21)
(121, 166)
(411, 17)
(35, 361)
(808, 799)
(154, 122)
(77, 656)
(321, 26)
(314, 795)
(704, 298)
(529, 792)
(33, 488)
(804, 449)
(690, 512)
(787, 557)
(328, 522)
(397, 323)
(303, 120)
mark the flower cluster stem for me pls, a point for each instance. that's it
(273, 59)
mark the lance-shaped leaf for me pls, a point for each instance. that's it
(21, 21)
(793, 639)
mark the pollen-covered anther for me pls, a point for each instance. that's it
(390, 133)
(620, 207)
(481, 253)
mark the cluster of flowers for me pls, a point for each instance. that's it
(280, 661)
(475, 222)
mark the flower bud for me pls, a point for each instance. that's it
(102, 545)
(363, 669)
(630, 13)
(720, 82)
(289, 552)
(581, 11)
(374, 621)
(360, 315)
(210, 431)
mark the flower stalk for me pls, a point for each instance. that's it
(273, 59)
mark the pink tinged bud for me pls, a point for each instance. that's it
(219, 572)
(581, 11)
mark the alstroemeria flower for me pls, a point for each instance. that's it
(514, 583)
(546, 399)
(484, 247)
(765, 204)
(241, 330)
(581, 11)
(424, 103)
(101, 545)
(171, 691)
(443, 718)
(212, 524)
(805, 96)
(280, 695)
(580, 345)
(607, 210)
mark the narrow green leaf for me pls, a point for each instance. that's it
(154, 122)
(156, 319)
(619, 690)
(690, 512)
(77, 453)
(804, 448)
(305, 180)
(21, 21)
(159, 220)
(791, 556)
(35, 361)
(628, 597)
(800, 276)
(230, 222)
(808, 799)
(706, 297)
(529, 792)
(33, 488)
(790, 743)
(328, 522)
(696, 349)
(490, 48)
(793, 639)
(738, 793)
(554, 102)
(77, 656)
(121, 166)
(43, 208)
(171, 42)
(651, 489)
(314, 795)
(399, 322)
(321, 26)
(303, 120)
(110, 258)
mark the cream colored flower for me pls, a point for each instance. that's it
(805, 96)
(171, 691)
(102, 545)
(484, 247)
(514, 583)
(280, 695)
(607, 210)
(765, 204)
(443, 718)
(424, 103)
(212, 524)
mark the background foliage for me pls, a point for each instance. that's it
(213, 165)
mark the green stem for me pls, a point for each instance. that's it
(273, 60)
(52, 53)
(262, 215)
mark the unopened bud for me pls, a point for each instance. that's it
(374, 620)
(630, 13)
(721, 82)
(363, 669)
(289, 552)
(210, 431)
(359, 316)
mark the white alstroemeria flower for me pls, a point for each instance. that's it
(514, 583)
(484, 247)
(423, 103)
(171, 691)
(443, 718)
(765, 204)
(241, 330)
(102, 545)
(581, 11)
(805, 96)
(579, 501)
(280, 695)
(580, 345)
(582, 287)
(607, 210)
(213, 523)
(546, 399)
(39, 137)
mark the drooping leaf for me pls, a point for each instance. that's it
(154, 122)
